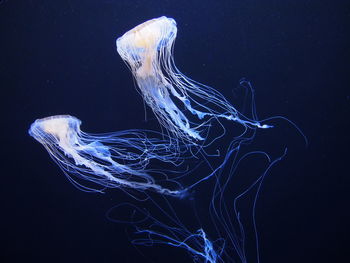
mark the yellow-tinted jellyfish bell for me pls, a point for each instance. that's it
(140, 46)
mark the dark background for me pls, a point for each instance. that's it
(59, 57)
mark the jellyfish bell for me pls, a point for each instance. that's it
(60, 128)
(151, 34)
(139, 46)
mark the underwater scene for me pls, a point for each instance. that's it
(175, 131)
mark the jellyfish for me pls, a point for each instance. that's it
(110, 160)
(183, 106)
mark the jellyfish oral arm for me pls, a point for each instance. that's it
(165, 109)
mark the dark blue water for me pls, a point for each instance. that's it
(59, 57)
